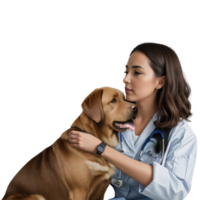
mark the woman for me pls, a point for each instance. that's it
(155, 82)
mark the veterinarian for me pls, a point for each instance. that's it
(154, 81)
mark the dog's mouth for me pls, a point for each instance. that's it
(122, 126)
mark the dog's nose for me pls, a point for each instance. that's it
(134, 108)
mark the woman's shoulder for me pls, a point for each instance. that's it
(182, 130)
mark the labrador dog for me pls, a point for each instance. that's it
(62, 172)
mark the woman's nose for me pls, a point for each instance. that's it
(126, 79)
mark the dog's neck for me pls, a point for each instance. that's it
(99, 130)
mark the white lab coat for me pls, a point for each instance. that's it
(172, 179)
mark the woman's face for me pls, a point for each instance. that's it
(140, 81)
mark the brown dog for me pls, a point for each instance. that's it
(62, 172)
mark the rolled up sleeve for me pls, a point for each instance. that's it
(173, 180)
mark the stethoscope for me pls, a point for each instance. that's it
(119, 182)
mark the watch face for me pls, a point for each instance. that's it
(100, 148)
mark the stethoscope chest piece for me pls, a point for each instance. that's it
(119, 183)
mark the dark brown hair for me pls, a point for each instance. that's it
(172, 98)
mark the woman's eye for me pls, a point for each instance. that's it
(125, 72)
(137, 73)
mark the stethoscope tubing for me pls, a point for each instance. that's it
(122, 150)
(119, 181)
(145, 143)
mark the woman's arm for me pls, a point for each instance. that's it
(141, 172)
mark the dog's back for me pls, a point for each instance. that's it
(61, 172)
(38, 176)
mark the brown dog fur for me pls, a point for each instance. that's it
(62, 172)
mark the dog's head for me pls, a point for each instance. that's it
(108, 107)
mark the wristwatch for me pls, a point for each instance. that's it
(101, 148)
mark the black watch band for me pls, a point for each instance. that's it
(101, 148)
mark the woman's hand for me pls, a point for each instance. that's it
(84, 141)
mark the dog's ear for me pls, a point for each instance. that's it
(92, 105)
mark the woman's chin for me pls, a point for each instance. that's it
(131, 101)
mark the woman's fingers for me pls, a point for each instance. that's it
(73, 137)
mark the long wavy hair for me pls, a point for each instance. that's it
(173, 98)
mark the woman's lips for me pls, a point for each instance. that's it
(127, 91)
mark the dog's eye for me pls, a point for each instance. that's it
(113, 101)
